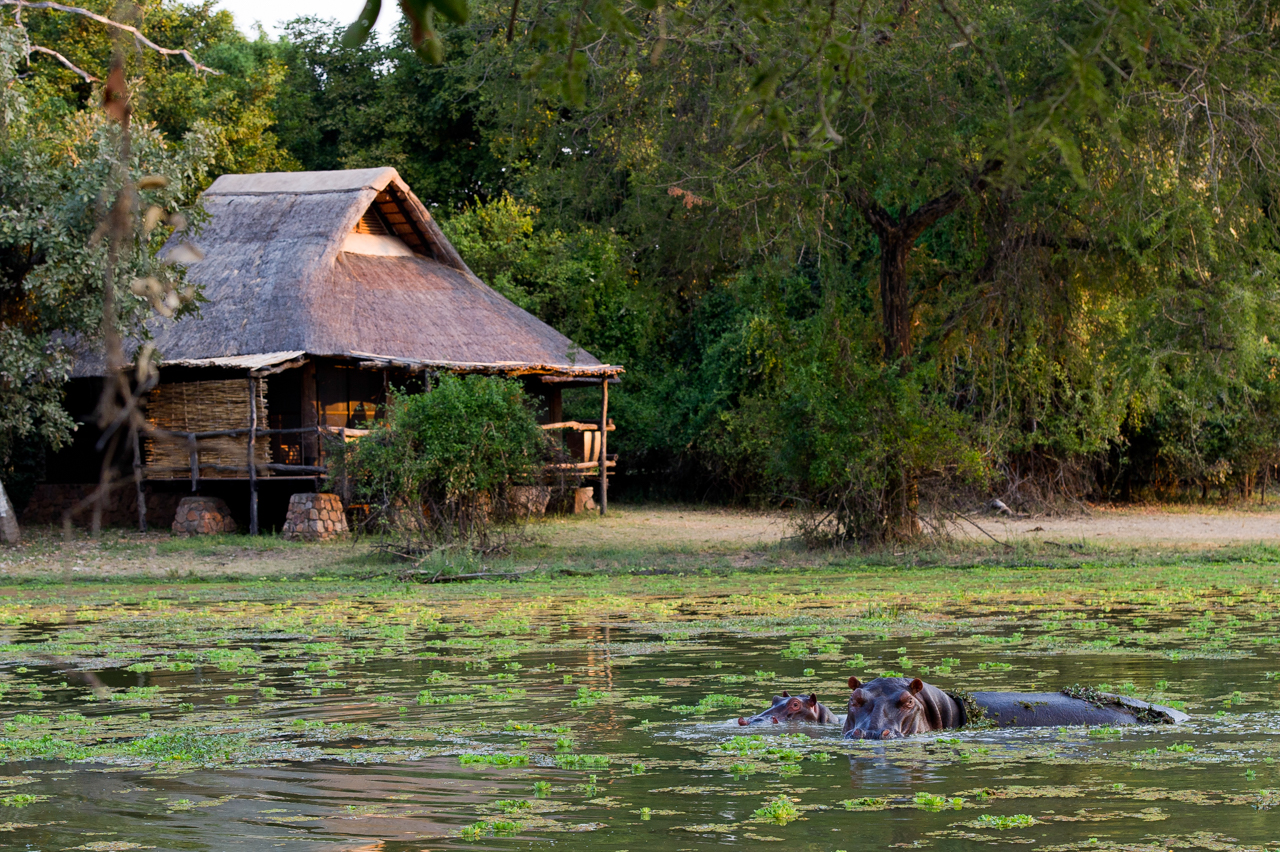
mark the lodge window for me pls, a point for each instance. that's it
(349, 397)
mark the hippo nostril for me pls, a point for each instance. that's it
(859, 734)
(741, 721)
(886, 735)
(775, 719)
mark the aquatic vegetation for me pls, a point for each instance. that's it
(581, 761)
(587, 697)
(710, 703)
(932, 802)
(489, 828)
(376, 679)
(20, 800)
(493, 759)
(1003, 822)
(781, 810)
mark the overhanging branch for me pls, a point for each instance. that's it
(35, 48)
(137, 36)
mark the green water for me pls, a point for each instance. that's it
(384, 724)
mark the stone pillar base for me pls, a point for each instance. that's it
(203, 516)
(315, 517)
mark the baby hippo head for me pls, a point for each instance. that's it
(788, 708)
(885, 709)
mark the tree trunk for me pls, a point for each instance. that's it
(895, 299)
(8, 519)
(897, 235)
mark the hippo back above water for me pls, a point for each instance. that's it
(792, 708)
(891, 707)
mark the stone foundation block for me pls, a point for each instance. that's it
(203, 516)
(315, 517)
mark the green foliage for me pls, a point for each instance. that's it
(233, 109)
(580, 283)
(441, 462)
(59, 170)
(493, 759)
(1055, 328)
(780, 810)
(1005, 822)
(340, 107)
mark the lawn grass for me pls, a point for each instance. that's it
(663, 540)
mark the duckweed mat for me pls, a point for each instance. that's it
(378, 716)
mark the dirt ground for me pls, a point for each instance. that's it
(668, 528)
(1136, 527)
(629, 538)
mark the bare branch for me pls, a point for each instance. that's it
(35, 48)
(137, 36)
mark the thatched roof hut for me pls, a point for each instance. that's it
(326, 290)
(349, 264)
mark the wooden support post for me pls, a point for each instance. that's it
(137, 482)
(604, 446)
(310, 415)
(195, 460)
(253, 466)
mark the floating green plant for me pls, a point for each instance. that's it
(781, 810)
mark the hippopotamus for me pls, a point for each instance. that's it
(793, 708)
(891, 707)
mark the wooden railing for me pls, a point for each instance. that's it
(593, 450)
(592, 444)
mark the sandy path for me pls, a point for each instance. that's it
(1146, 527)
(663, 527)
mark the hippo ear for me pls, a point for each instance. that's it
(854, 683)
(813, 699)
(785, 694)
(916, 686)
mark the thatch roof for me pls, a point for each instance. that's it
(282, 273)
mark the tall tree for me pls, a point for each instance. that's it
(975, 165)
(59, 173)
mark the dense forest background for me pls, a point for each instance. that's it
(923, 254)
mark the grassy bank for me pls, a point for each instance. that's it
(630, 541)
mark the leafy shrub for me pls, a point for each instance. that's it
(440, 465)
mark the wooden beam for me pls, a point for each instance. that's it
(577, 426)
(253, 466)
(137, 482)
(280, 368)
(310, 415)
(195, 460)
(604, 443)
(579, 465)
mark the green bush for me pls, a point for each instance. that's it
(440, 465)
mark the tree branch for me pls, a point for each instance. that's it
(137, 36)
(511, 24)
(35, 48)
(880, 220)
(933, 210)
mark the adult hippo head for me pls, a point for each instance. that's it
(792, 708)
(891, 707)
